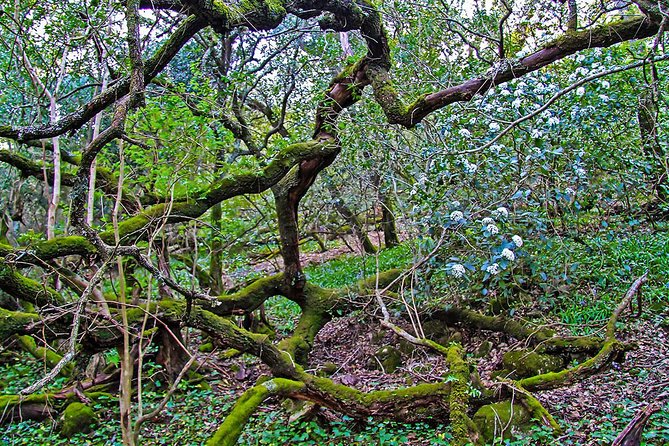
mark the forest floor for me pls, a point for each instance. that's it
(591, 412)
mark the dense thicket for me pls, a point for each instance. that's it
(151, 150)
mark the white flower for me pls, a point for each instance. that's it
(457, 216)
(469, 168)
(606, 84)
(487, 221)
(580, 91)
(455, 204)
(580, 172)
(553, 121)
(492, 229)
(505, 92)
(516, 103)
(517, 240)
(458, 270)
(508, 254)
(493, 269)
(604, 97)
(496, 148)
(569, 191)
(494, 127)
(500, 212)
(465, 133)
(536, 133)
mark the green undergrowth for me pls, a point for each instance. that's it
(190, 418)
(584, 277)
(337, 273)
(347, 269)
(601, 431)
(19, 370)
(272, 428)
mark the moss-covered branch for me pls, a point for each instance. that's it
(462, 427)
(408, 115)
(15, 322)
(49, 250)
(553, 380)
(30, 168)
(247, 299)
(21, 287)
(611, 350)
(474, 319)
(44, 354)
(195, 205)
(234, 424)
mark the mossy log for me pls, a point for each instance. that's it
(498, 420)
(49, 357)
(39, 406)
(524, 363)
(77, 418)
(228, 433)
(15, 322)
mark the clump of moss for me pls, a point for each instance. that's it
(77, 418)
(206, 348)
(526, 363)
(388, 357)
(500, 419)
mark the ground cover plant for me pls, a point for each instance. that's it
(333, 221)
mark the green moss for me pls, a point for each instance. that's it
(500, 419)
(77, 418)
(248, 298)
(348, 73)
(369, 400)
(388, 358)
(553, 380)
(206, 348)
(7, 402)
(461, 425)
(581, 344)
(385, 278)
(537, 411)
(27, 289)
(529, 363)
(49, 357)
(602, 36)
(62, 246)
(13, 322)
(228, 433)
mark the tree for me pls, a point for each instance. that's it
(207, 103)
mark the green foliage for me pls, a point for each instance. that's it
(282, 313)
(604, 432)
(20, 370)
(347, 270)
(272, 429)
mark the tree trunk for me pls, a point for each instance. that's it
(216, 262)
(388, 222)
(171, 354)
(357, 226)
(647, 115)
